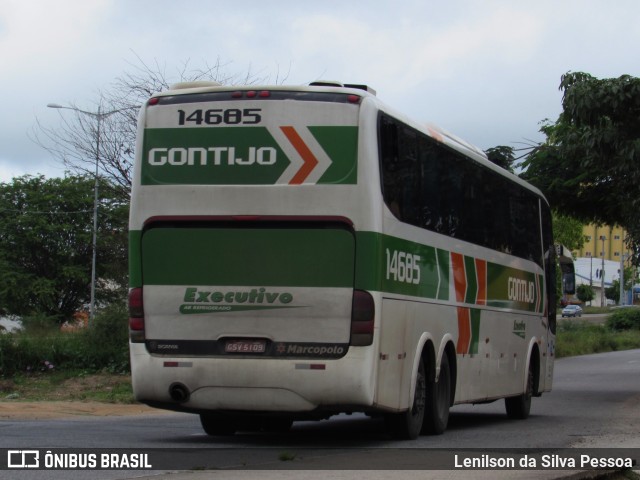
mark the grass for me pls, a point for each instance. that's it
(69, 385)
(582, 338)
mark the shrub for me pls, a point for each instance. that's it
(103, 346)
(106, 341)
(39, 324)
(624, 319)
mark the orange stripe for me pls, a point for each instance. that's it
(481, 272)
(459, 277)
(464, 330)
(309, 159)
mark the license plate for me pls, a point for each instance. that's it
(245, 346)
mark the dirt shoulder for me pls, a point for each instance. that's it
(52, 395)
(19, 410)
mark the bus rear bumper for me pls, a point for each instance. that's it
(253, 385)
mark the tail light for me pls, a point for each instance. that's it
(136, 316)
(362, 318)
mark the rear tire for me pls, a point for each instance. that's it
(215, 424)
(518, 408)
(277, 424)
(436, 414)
(407, 425)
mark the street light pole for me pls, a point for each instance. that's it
(94, 240)
(99, 116)
(603, 238)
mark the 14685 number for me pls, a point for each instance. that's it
(220, 116)
(403, 267)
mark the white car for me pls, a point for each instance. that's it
(572, 311)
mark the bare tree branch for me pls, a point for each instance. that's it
(75, 140)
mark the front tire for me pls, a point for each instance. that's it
(518, 408)
(407, 425)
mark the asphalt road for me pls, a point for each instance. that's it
(595, 403)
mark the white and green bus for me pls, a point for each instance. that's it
(298, 252)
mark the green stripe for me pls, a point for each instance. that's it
(341, 145)
(135, 259)
(248, 257)
(443, 262)
(375, 251)
(368, 274)
(498, 295)
(475, 330)
(306, 257)
(472, 282)
(541, 290)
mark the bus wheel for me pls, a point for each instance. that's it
(407, 425)
(438, 401)
(518, 407)
(215, 424)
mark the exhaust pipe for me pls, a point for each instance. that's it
(179, 393)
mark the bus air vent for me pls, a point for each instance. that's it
(200, 84)
(326, 83)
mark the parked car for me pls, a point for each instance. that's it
(572, 311)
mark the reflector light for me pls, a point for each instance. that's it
(265, 93)
(136, 324)
(236, 94)
(363, 308)
(251, 94)
(154, 101)
(136, 308)
(136, 316)
(362, 318)
(361, 327)
(353, 98)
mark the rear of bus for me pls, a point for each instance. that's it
(245, 210)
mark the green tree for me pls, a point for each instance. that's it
(46, 245)
(585, 293)
(567, 231)
(613, 292)
(588, 165)
(502, 156)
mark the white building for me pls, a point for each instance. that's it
(589, 272)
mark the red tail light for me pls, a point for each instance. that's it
(362, 318)
(136, 316)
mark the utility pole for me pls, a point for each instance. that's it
(622, 259)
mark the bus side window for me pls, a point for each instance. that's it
(389, 165)
(399, 167)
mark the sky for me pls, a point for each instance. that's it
(486, 70)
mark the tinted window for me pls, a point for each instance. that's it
(435, 187)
